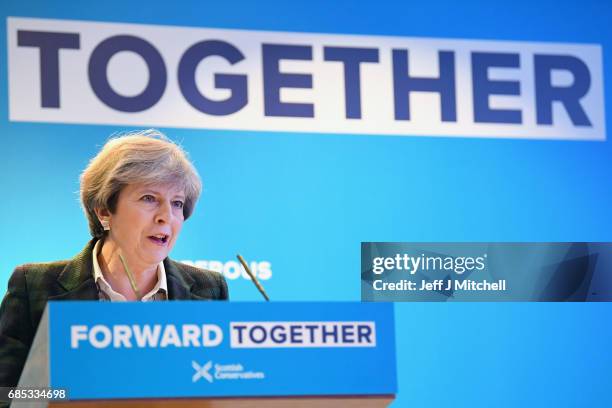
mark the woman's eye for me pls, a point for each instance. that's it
(178, 204)
(148, 198)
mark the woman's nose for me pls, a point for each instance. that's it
(164, 213)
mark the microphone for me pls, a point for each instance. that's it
(255, 281)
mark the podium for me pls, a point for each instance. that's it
(213, 354)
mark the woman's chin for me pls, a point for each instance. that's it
(154, 257)
(157, 250)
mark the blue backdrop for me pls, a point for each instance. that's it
(304, 202)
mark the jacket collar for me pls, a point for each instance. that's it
(77, 279)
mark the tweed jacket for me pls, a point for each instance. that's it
(31, 285)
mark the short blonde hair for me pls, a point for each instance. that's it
(147, 157)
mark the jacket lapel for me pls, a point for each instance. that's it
(76, 280)
(179, 283)
(77, 283)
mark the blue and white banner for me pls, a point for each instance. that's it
(127, 74)
(197, 349)
(526, 159)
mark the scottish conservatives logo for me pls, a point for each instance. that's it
(223, 372)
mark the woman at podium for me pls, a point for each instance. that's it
(136, 193)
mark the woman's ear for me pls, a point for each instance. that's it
(104, 218)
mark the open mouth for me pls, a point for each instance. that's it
(159, 239)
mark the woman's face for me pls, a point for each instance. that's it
(147, 222)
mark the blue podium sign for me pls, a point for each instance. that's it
(101, 350)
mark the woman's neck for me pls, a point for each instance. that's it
(145, 276)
